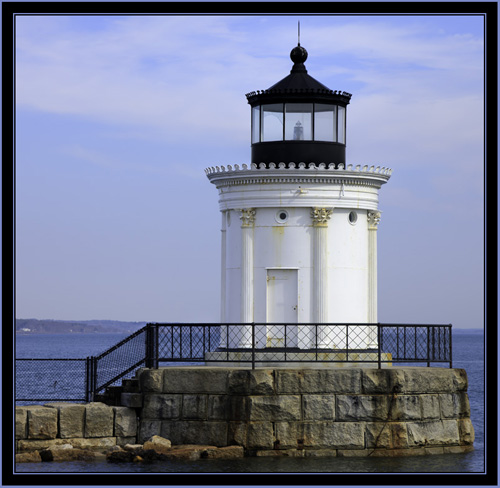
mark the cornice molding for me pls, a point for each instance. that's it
(311, 167)
(298, 173)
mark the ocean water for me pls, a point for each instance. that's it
(468, 353)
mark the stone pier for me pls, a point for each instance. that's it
(307, 412)
(91, 426)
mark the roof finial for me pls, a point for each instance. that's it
(298, 54)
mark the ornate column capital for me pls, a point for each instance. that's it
(320, 216)
(247, 217)
(373, 219)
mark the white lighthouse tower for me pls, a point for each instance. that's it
(299, 225)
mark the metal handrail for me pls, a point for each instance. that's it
(166, 342)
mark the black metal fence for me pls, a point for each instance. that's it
(252, 345)
(52, 380)
(258, 343)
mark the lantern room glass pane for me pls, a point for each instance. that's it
(341, 123)
(256, 124)
(272, 122)
(298, 121)
(325, 120)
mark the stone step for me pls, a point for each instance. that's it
(111, 396)
(131, 385)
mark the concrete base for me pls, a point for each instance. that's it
(297, 358)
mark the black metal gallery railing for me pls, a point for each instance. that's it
(255, 344)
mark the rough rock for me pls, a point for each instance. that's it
(434, 432)
(428, 380)
(148, 428)
(132, 400)
(355, 408)
(229, 452)
(318, 407)
(218, 407)
(28, 457)
(93, 444)
(61, 446)
(281, 453)
(158, 444)
(65, 455)
(387, 435)
(405, 407)
(251, 382)
(382, 381)
(454, 405)
(42, 422)
(274, 408)
(466, 431)
(342, 435)
(120, 457)
(115, 449)
(194, 381)
(430, 405)
(195, 432)
(194, 407)
(71, 419)
(289, 435)
(163, 407)
(77, 443)
(125, 422)
(151, 380)
(98, 420)
(330, 381)
(21, 422)
(260, 435)
(132, 447)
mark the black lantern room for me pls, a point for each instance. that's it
(298, 119)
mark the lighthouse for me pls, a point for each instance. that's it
(299, 225)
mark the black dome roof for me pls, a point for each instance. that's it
(298, 84)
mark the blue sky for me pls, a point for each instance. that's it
(118, 116)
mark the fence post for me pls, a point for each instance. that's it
(87, 380)
(93, 362)
(148, 356)
(434, 343)
(379, 344)
(428, 346)
(451, 349)
(347, 343)
(253, 345)
(157, 344)
(190, 341)
(316, 339)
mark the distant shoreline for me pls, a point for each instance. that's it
(36, 326)
(73, 333)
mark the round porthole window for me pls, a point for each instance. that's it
(281, 216)
(353, 217)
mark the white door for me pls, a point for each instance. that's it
(282, 307)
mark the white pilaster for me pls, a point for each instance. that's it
(373, 221)
(223, 277)
(320, 217)
(247, 223)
